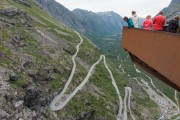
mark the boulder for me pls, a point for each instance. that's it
(28, 20)
(38, 77)
(18, 41)
(18, 104)
(9, 98)
(55, 70)
(45, 102)
(10, 12)
(14, 16)
(31, 98)
(23, 2)
(3, 115)
(13, 79)
(87, 116)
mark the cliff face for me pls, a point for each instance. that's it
(61, 13)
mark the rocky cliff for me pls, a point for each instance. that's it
(61, 13)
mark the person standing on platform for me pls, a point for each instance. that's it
(148, 23)
(159, 21)
(135, 19)
(173, 25)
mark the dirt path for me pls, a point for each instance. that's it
(45, 36)
(55, 103)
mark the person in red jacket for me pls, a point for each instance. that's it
(148, 23)
(159, 21)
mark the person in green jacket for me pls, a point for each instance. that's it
(129, 22)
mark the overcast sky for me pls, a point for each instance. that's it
(122, 7)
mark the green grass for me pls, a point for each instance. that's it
(70, 40)
(79, 105)
(19, 83)
(21, 80)
(4, 34)
(101, 79)
(57, 83)
(87, 50)
(145, 101)
(5, 50)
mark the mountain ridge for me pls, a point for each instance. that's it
(101, 22)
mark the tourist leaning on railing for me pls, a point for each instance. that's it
(129, 22)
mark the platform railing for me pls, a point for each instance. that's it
(158, 52)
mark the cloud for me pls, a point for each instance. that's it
(122, 7)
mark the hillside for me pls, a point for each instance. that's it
(40, 57)
(99, 24)
(101, 27)
(61, 13)
(96, 26)
(35, 64)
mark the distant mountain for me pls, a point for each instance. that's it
(101, 23)
(172, 10)
(98, 27)
(84, 21)
(61, 13)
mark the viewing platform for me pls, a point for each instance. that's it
(158, 52)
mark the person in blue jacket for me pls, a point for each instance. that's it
(129, 22)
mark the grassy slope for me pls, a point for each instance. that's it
(105, 102)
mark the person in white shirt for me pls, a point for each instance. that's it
(135, 19)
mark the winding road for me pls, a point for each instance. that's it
(61, 100)
(168, 107)
(127, 94)
(120, 67)
(55, 105)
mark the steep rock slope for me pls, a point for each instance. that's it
(110, 45)
(61, 13)
(35, 63)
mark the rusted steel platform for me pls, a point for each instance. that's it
(156, 52)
